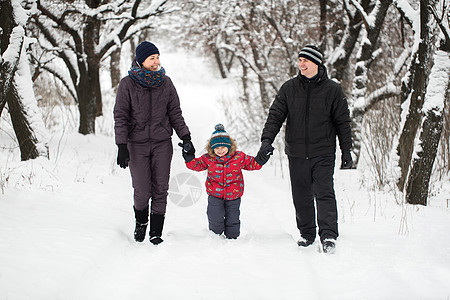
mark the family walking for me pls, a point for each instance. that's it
(147, 111)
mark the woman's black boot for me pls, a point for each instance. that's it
(156, 227)
(141, 224)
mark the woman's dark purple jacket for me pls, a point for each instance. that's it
(144, 114)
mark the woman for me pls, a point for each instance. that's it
(146, 112)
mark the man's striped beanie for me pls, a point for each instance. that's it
(220, 137)
(312, 53)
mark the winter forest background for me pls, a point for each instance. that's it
(390, 56)
(61, 62)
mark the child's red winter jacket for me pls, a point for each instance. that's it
(225, 180)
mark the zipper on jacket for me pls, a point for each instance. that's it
(149, 112)
(308, 100)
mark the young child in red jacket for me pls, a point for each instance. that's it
(225, 182)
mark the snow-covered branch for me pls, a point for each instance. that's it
(121, 31)
(368, 22)
(60, 24)
(400, 63)
(408, 12)
(388, 91)
(64, 80)
(443, 24)
(70, 64)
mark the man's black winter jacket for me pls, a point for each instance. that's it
(316, 111)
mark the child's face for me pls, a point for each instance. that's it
(220, 151)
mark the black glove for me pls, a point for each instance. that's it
(188, 151)
(123, 156)
(266, 147)
(346, 160)
(264, 152)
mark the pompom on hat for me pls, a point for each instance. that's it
(312, 53)
(144, 50)
(220, 138)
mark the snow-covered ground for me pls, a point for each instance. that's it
(66, 225)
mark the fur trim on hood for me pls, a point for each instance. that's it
(231, 151)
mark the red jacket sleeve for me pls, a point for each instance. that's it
(198, 164)
(249, 163)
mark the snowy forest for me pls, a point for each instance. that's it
(61, 63)
(391, 57)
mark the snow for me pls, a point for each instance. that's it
(12, 53)
(438, 83)
(413, 17)
(20, 14)
(436, 93)
(66, 226)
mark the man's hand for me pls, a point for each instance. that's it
(346, 160)
(264, 153)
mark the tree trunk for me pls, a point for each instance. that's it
(7, 68)
(323, 24)
(437, 92)
(264, 93)
(222, 68)
(24, 134)
(15, 86)
(115, 68)
(245, 88)
(419, 72)
(419, 177)
(87, 106)
(88, 88)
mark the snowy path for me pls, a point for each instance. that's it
(68, 234)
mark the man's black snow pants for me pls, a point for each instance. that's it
(313, 179)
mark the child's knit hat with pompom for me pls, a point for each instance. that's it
(220, 138)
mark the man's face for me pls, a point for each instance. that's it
(307, 67)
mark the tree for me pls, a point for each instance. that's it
(81, 33)
(433, 110)
(15, 82)
(373, 22)
(340, 55)
(415, 83)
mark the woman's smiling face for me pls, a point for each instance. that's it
(151, 63)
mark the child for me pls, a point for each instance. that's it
(225, 182)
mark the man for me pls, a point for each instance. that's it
(316, 111)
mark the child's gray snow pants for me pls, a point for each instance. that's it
(223, 216)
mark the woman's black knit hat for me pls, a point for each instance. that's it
(144, 50)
